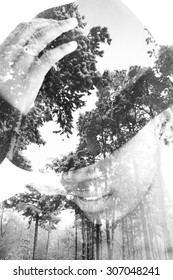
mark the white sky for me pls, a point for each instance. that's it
(12, 12)
(128, 46)
(155, 14)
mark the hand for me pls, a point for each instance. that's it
(21, 70)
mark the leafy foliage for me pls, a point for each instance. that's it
(127, 100)
(33, 205)
(76, 74)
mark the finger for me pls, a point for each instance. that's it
(23, 29)
(41, 39)
(46, 35)
(38, 71)
(29, 29)
(49, 58)
(7, 42)
(15, 42)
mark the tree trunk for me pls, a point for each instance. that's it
(123, 240)
(101, 244)
(163, 215)
(83, 239)
(153, 253)
(108, 234)
(114, 226)
(48, 239)
(13, 141)
(132, 237)
(155, 237)
(47, 244)
(128, 241)
(108, 239)
(76, 236)
(89, 240)
(166, 234)
(93, 242)
(145, 232)
(98, 241)
(2, 214)
(35, 236)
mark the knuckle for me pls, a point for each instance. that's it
(21, 24)
(63, 24)
(39, 34)
(48, 57)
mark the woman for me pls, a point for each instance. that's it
(22, 71)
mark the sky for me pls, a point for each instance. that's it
(156, 15)
(128, 45)
(127, 48)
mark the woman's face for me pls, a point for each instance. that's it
(127, 174)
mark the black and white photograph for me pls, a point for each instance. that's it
(86, 132)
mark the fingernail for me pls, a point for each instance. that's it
(73, 22)
(72, 45)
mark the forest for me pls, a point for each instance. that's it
(31, 225)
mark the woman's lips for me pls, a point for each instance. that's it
(95, 198)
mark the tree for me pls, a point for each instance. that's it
(64, 86)
(76, 74)
(126, 102)
(42, 210)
